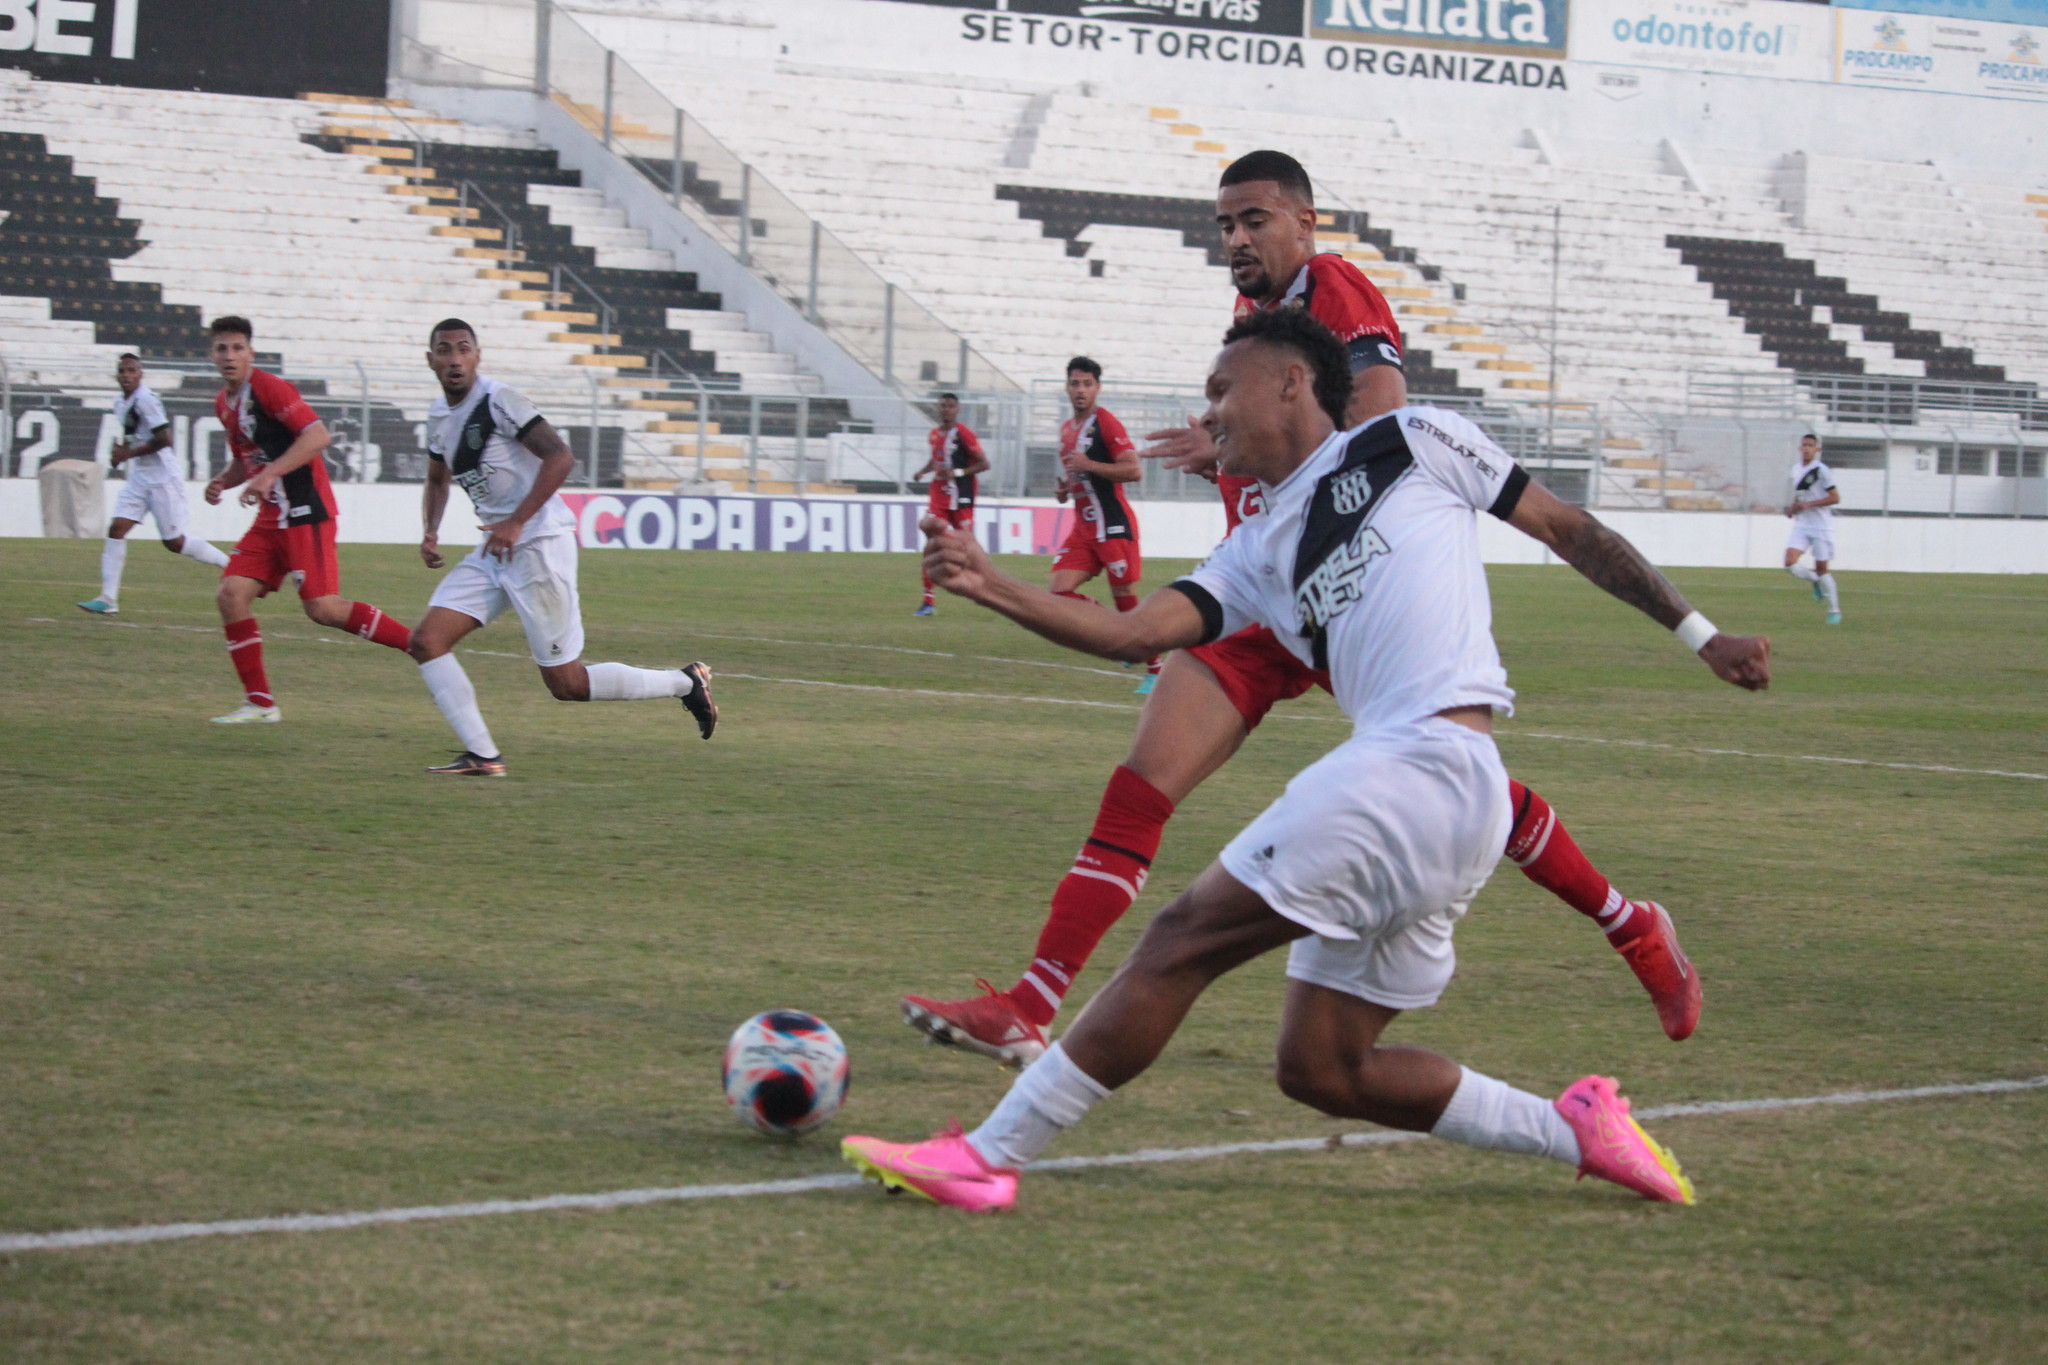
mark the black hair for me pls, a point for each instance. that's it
(231, 323)
(1278, 167)
(1084, 365)
(127, 355)
(450, 325)
(1809, 436)
(1296, 331)
(944, 396)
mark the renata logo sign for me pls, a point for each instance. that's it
(1536, 28)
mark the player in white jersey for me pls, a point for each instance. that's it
(155, 486)
(1366, 562)
(488, 438)
(1814, 496)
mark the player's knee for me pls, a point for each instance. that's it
(175, 545)
(566, 689)
(422, 649)
(1314, 1080)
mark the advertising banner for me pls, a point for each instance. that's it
(2027, 13)
(232, 47)
(1925, 52)
(1729, 37)
(664, 521)
(1279, 18)
(1531, 28)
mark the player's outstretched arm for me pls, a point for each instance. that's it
(1609, 562)
(1165, 620)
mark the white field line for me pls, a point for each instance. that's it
(1126, 706)
(617, 1199)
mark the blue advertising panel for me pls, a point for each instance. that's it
(2033, 12)
(1533, 28)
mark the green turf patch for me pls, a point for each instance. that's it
(266, 970)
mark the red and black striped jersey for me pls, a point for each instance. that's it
(262, 419)
(1100, 502)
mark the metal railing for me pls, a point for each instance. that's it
(465, 190)
(722, 194)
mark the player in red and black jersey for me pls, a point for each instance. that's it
(275, 445)
(1210, 698)
(1097, 458)
(955, 469)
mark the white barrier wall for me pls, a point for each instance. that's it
(390, 514)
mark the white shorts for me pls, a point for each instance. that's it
(165, 502)
(538, 581)
(1818, 541)
(1378, 847)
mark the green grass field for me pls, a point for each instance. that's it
(269, 970)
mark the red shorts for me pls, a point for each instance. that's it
(268, 553)
(959, 518)
(1083, 553)
(1257, 672)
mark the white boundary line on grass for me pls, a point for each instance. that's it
(617, 1199)
(1126, 706)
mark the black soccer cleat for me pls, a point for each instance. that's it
(470, 765)
(699, 703)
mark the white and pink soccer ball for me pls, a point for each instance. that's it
(785, 1072)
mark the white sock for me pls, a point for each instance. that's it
(113, 555)
(1485, 1112)
(1801, 572)
(1827, 585)
(1050, 1096)
(203, 551)
(453, 693)
(623, 682)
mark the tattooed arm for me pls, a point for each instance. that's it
(1610, 563)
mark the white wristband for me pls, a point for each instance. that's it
(1694, 632)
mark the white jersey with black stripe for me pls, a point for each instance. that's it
(1811, 482)
(478, 440)
(1366, 563)
(138, 415)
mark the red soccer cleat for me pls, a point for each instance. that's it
(987, 1023)
(1666, 973)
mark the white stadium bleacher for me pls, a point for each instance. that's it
(344, 255)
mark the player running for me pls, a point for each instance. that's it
(1814, 496)
(1097, 458)
(956, 464)
(1212, 697)
(275, 445)
(155, 486)
(488, 438)
(1366, 563)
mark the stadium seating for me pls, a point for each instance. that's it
(343, 228)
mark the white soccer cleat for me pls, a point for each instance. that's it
(250, 714)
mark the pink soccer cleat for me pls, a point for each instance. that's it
(1666, 973)
(944, 1168)
(1614, 1146)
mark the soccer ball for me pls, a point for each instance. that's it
(785, 1072)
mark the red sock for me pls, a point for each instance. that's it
(1548, 856)
(374, 626)
(1107, 876)
(245, 652)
